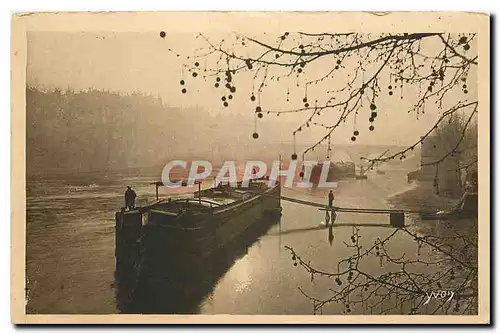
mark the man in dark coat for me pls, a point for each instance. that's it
(130, 196)
(330, 199)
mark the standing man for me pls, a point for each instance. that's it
(130, 196)
(330, 199)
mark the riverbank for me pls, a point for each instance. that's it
(421, 197)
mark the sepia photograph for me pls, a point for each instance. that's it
(204, 167)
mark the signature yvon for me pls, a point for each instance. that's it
(439, 294)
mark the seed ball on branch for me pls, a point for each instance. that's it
(182, 82)
(374, 114)
(255, 135)
(260, 115)
(195, 74)
(196, 64)
(217, 79)
(184, 91)
(373, 106)
(356, 133)
(216, 85)
(223, 98)
(258, 109)
(162, 34)
(233, 89)
(252, 98)
(390, 93)
(230, 97)
(371, 128)
(294, 156)
(299, 70)
(226, 104)
(306, 105)
(353, 138)
(466, 47)
(371, 119)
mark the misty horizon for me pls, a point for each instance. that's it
(123, 63)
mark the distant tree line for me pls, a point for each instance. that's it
(89, 130)
(100, 130)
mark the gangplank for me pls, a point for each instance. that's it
(396, 217)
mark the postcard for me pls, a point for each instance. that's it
(250, 167)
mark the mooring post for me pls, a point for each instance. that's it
(199, 191)
(397, 219)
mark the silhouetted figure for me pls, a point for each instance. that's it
(130, 196)
(330, 199)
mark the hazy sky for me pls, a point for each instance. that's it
(145, 62)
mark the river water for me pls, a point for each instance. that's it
(70, 245)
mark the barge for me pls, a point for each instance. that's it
(466, 208)
(336, 171)
(181, 237)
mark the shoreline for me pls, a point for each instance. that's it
(421, 197)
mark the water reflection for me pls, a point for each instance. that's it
(159, 290)
(299, 230)
(330, 234)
